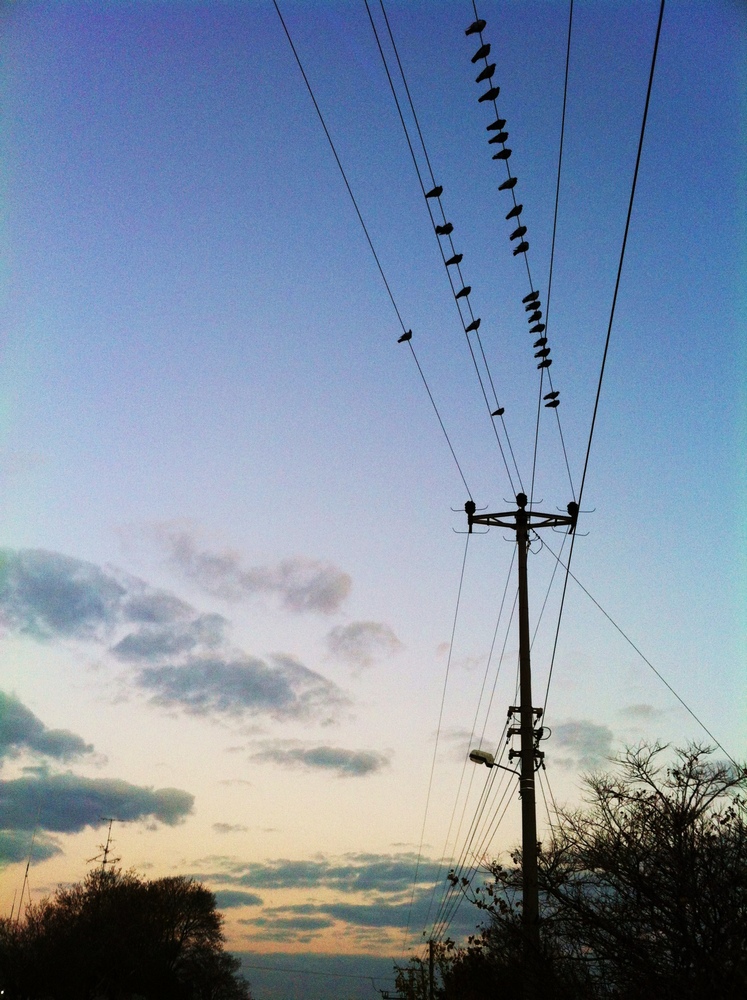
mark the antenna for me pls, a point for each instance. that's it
(105, 848)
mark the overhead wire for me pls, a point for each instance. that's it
(406, 334)
(608, 337)
(435, 745)
(460, 293)
(645, 659)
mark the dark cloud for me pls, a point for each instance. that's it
(207, 685)
(229, 828)
(67, 803)
(21, 730)
(381, 873)
(583, 744)
(301, 584)
(227, 899)
(362, 643)
(45, 594)
(156, 642)
(346, 763)
(20, 845)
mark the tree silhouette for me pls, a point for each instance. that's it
(117, 936)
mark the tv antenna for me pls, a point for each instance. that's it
(106, 848)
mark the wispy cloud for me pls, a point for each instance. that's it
(21, 730)
(583, 744)
(344, 763)
(301, 584)
(641, 712)
(360, 644)
(212, 685)
(227, 899)
(229, 828)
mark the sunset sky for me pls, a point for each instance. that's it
(231, 523)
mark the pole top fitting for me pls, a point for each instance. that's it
(470, 507)
(521, 500)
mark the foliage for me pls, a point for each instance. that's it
(643, 892)
(117, 936)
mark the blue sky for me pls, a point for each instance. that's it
(230, 573)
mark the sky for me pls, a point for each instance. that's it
(232, 528)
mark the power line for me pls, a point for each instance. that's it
(406, 334)
(609, 334)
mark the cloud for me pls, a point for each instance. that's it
(45, 594)
(381, 873)
(362, 643)
(20, 845)
(301, 584)
(21, 730)
(585, 743)
(206, 685)
(156, 642)
(345, 763)
(641, 712)
(227, 899)
(229, 828)
(67, 803)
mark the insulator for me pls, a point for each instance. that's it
(540, 343)
(445, 229)
(489, 95)
(545, 364)
(499, 412)
(501, 137)
(543, 353)
(503, 154)
(405, 336)
(521, 248)
(476, 27)
(551, 405)
(515, 211)
(537, 328)
(496, 126)
(456, 259)
(518, 232)
(536, 315)
(551, 395)
(463, 292)
(486, 73)
(507, 185)
(482, 52)
(435, 192)
(532, 297)
(473, 325)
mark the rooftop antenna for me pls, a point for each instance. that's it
(105, 848)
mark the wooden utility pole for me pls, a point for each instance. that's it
(522, 521)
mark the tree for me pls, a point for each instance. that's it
(117, 936)
(643, 892)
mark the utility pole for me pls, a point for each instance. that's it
(430, 969)
(522, 521)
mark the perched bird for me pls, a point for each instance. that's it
(405, 336)
(545, 364)
(537, 328)
(507, 185)
(551, 395)
(482, 52)
(551, 405)
(486, 73)
(521, 248)
(489, 95)
(501, 137)
(541, 343)
(532, 297)
(476, 27)
(503, 154)
(536, 315)
(463, 292)
(535, 304)
(435, 192)
(515, 211)
(456, 259)
(445, 229)
(473, 325)
(496, 126)
(543, 353)
(518, 232)
(499, 412)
